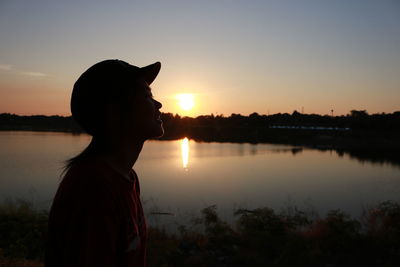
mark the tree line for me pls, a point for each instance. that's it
(356, 119)
(372, 137)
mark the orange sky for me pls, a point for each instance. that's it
(265, 57)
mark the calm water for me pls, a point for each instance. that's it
(184, 176)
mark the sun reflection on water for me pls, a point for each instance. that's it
(185, 152)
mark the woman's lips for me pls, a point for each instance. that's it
(158, 117)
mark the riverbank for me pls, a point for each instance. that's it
(260, 237)
(356, 131)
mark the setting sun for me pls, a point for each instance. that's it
(186, 101)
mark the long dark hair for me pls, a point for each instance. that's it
(94, 148)
(97, 129)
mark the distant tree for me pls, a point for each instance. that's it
(358, 113)
(296, 113)
(254, 115)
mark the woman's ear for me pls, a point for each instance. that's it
(112, 119)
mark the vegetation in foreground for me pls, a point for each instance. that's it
(261, 237)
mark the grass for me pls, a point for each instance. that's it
(260, 237)
(22, 230)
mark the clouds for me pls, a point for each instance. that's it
(12, 70)
(34, 74)
(5, 67)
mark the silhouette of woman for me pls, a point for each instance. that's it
(96, 218)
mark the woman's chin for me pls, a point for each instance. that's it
(159, 135)
(158, 131)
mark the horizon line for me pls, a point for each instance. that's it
(223, 115)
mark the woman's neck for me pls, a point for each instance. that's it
(121, 155)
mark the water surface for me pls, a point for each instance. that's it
(184, 176)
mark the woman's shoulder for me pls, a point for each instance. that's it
(86, 172)
(84, 189)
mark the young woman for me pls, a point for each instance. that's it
(97, 218)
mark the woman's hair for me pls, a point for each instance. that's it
(94, 148)
(99, 144)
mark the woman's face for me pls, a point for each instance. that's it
(144, 114)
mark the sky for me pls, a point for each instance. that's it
(233, 56)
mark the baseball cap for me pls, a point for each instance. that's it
(105, 82)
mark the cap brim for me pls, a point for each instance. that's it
(150, 72)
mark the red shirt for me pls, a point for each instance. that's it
(96, 219)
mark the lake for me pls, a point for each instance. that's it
(184, 176)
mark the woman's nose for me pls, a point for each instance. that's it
(158, 104)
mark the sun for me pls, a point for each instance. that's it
(186, 101)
